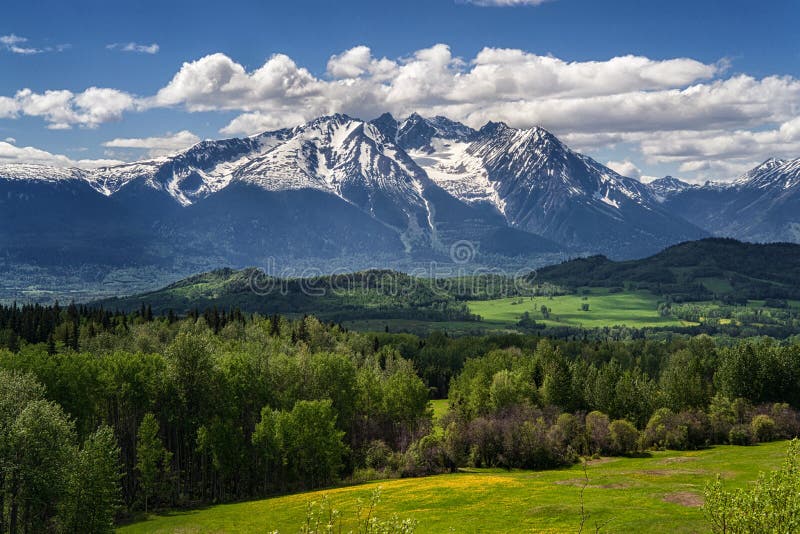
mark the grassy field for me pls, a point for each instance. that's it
(657, 494)
(636, 309)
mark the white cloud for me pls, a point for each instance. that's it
(17, 45)
(134, 47)
(11, 140)
(157, 146)
(62, 109)
(676, 111)
(625, 168)
(9, 153)
(262, 122)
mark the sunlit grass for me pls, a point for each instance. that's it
(657, 494)
(636, 309)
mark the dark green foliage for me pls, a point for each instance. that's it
(753, 271)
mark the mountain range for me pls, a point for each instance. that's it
(339, 192)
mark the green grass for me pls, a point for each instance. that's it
(635, 309)
(657, 494)
(440, 407)
(716, 285)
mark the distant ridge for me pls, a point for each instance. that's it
(695, 270)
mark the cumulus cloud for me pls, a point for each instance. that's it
(157, 146)
(625, 168)
(678, 110)
(62, 109)
(134, 47)
(10, 153)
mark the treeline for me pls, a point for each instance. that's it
(532, 409)
(265, 405)
(370, 294)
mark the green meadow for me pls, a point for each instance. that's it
(635, 309)
(661, 493)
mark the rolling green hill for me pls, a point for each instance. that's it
(376, 294)
(692, 271)
(582, 293)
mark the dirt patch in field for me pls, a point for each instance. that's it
(677, 460)
(601, 461)
(684, 498)
(579, 482)
(668, 472)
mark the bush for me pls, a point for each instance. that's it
(624, 437)
(378, 455)
(597, 432)
(722, 418)
(698, 427)
(740, 435)
(426, 456)
(787, 422)
(772, 504)
(660, 432)
(763, 428)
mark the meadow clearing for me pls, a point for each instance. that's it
(636, 309)
(660, 493)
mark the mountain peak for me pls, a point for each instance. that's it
(493, 127)
(668, 186)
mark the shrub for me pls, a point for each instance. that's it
(740, 435)
(787, 422)
(624, 437)
(722, 418)
(763, 428)
(426, 456)
(378, 455)
(597, 432)
(685, 430)
(772, 504)
(698, 427)
(655, 433)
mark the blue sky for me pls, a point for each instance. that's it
(699, 89)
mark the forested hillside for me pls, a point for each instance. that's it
(693, 271)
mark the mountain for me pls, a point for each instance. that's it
(695, 270)
(540, 185)
(763, 205)
(668, 186)
(334, 193)
(343, 193)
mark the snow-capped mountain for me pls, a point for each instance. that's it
(668, 186)
(540, 185)
(762, 205)
(339, 187)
